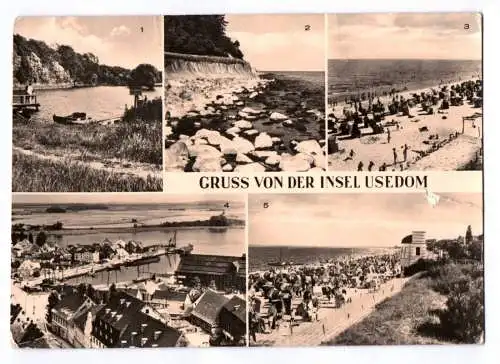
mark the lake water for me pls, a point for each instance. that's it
(260, 256)
(121, 215)
(101, 102)
(230, 241)
(348, 77)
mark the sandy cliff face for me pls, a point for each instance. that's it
(185, 66)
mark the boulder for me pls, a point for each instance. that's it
(277, 116)
(168, 131)
(233, 131)
(176, 157)
(253, 95)
(311, 147)
(250, 168)
(242, 145)
(249, 111)
(251, 132)
(207, 164)
(263, 141)
(276, 140)
(296, 163)
(263, 154)
(205, 151)
(241, 158)
(243, 124)
(200, 141)
(273, 160)
(227, 168)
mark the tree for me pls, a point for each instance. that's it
(144, 75)
(53, 301)
(468, 235)
(41, 239)
(15, 264)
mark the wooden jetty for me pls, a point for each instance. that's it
(22, 100)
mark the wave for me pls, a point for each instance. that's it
(191, 66)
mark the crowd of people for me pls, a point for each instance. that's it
(368, 111)
(272, 292)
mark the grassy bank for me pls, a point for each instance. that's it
(131, 140)
(31, 174)
(442, 305)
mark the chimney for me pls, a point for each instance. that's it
(133, 334)
(157, 335)
(143, 327)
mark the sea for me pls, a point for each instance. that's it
(349, 77)
(101, 102)
(94, 225)
(259, 257)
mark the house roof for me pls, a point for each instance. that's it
(208, 306)
(81, 318)
(407, 239)
(210, 264)
(237, 307)
(169, 295)
(145, 326)
(120, 309)
(70, 303)
(123, 312)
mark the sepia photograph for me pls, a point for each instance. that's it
(365, 269)
(121, 271)
(245, 93)
(87, 104)
(405, 92)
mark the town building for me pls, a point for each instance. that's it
(126, 322)
(63, 313)
(232, 320)
(226, 272)
(206, 309)
(413, 248)
(28, 268)
(85, 255)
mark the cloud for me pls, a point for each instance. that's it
(119, 31)
(420, 36)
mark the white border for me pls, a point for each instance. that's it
(431, 354)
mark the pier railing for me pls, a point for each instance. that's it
(21, 100)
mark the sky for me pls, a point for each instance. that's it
(404, 36)
(115, 40)
(277, 42)
(122, 198)
(352, 220)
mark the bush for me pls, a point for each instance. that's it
(463, 319)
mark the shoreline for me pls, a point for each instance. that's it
(266, 123)
(458, 143)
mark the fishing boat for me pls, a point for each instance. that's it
(142, 261)
(70, 119)
(184, 250)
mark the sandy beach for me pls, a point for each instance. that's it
(438, 141)
(244, 124)
(331, 321)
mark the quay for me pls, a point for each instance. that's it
(95, 268)
(22, 101)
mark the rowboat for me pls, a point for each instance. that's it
(70, 119)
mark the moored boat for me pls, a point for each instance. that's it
(69, 119)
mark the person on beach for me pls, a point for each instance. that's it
(383, 167)
(360, 166)
(395, 155)
(405, 152)
(388, 136)
(370, 166)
